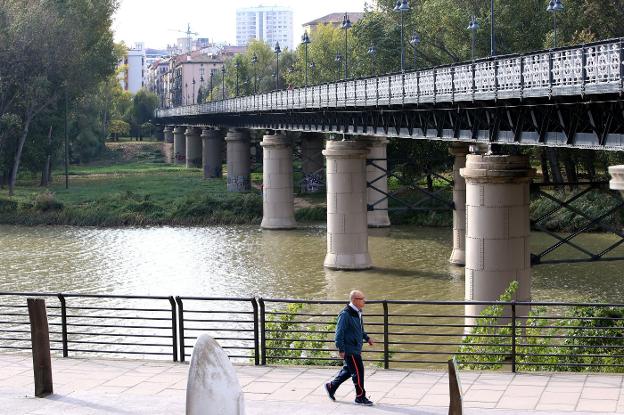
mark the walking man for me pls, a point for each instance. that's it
(350, 336)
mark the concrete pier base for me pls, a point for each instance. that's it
(212, 153)
(312, 162)
(347, 227)
(193, 147)
(377, 177)
(458, 255)
(617, 178)
(238, 161)
(278, 211)
(497, 227)
(179, 145)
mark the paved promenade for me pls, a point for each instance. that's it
(98, 386)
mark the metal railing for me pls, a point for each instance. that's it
(520, 336)
(595, 68)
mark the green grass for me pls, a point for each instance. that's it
(141, 191)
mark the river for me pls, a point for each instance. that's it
(410, 263)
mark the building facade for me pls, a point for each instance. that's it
(268, 24)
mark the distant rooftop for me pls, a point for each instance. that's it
(335, 18)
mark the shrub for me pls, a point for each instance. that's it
(46, 202)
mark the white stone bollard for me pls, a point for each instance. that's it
(212, 387)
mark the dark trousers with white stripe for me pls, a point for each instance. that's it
(353, 368)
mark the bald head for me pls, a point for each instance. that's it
(355, 294)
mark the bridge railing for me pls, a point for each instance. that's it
(520, 336)
(595, 68)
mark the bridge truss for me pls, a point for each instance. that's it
(567, 97)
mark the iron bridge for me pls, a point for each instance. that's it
(565, 97)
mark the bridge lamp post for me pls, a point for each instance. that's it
(193, 100)
(554, 7)
(492, 34)
(415, 41)
(338, 60)
(186, 93)
(402, 6)
(237, 66)
(277, 51)
(211, 85)
(201, 83)
(473, 27)
(254, 61)
(372, 52)
(223, 81)
(313, 68)
(305, 41)
(346, 25)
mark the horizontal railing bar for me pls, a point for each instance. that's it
(119, 352)
(78, 333)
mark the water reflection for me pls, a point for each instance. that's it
(410, 263)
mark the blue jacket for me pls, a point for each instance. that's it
(350, 333)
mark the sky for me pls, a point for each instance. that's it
(155, 22)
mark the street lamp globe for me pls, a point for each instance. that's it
(305, 41)
(473, 27)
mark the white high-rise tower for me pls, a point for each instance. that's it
(270, 24)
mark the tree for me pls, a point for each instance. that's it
(55, 48)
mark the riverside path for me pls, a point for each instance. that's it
(99, 386)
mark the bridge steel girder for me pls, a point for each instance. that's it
(553, 122)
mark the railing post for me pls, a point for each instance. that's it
(61, 298)
(254, 305)
(513, 336)
(495, 63)
(621, 51)
(376, 90)
(584, 69)
(174, 332)
(181, 329)
(386, 337)
(262, 332)
(550, 74)
(521, 77)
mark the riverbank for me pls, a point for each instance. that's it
(133, 186)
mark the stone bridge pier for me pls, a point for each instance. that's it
(347, 223)
(193, 147)
(179, 145)
(458, 254)
(497, 227)
(617, 178)
(212, 153)
(168, 144)
(277, 182)
(238, 160)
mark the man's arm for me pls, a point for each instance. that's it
(339, 339)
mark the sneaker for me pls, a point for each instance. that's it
(363, 400)
(329, 391)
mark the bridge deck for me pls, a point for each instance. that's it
(562, 97)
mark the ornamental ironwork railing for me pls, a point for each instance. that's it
(596, 68)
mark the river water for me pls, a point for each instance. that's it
(411, 263)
